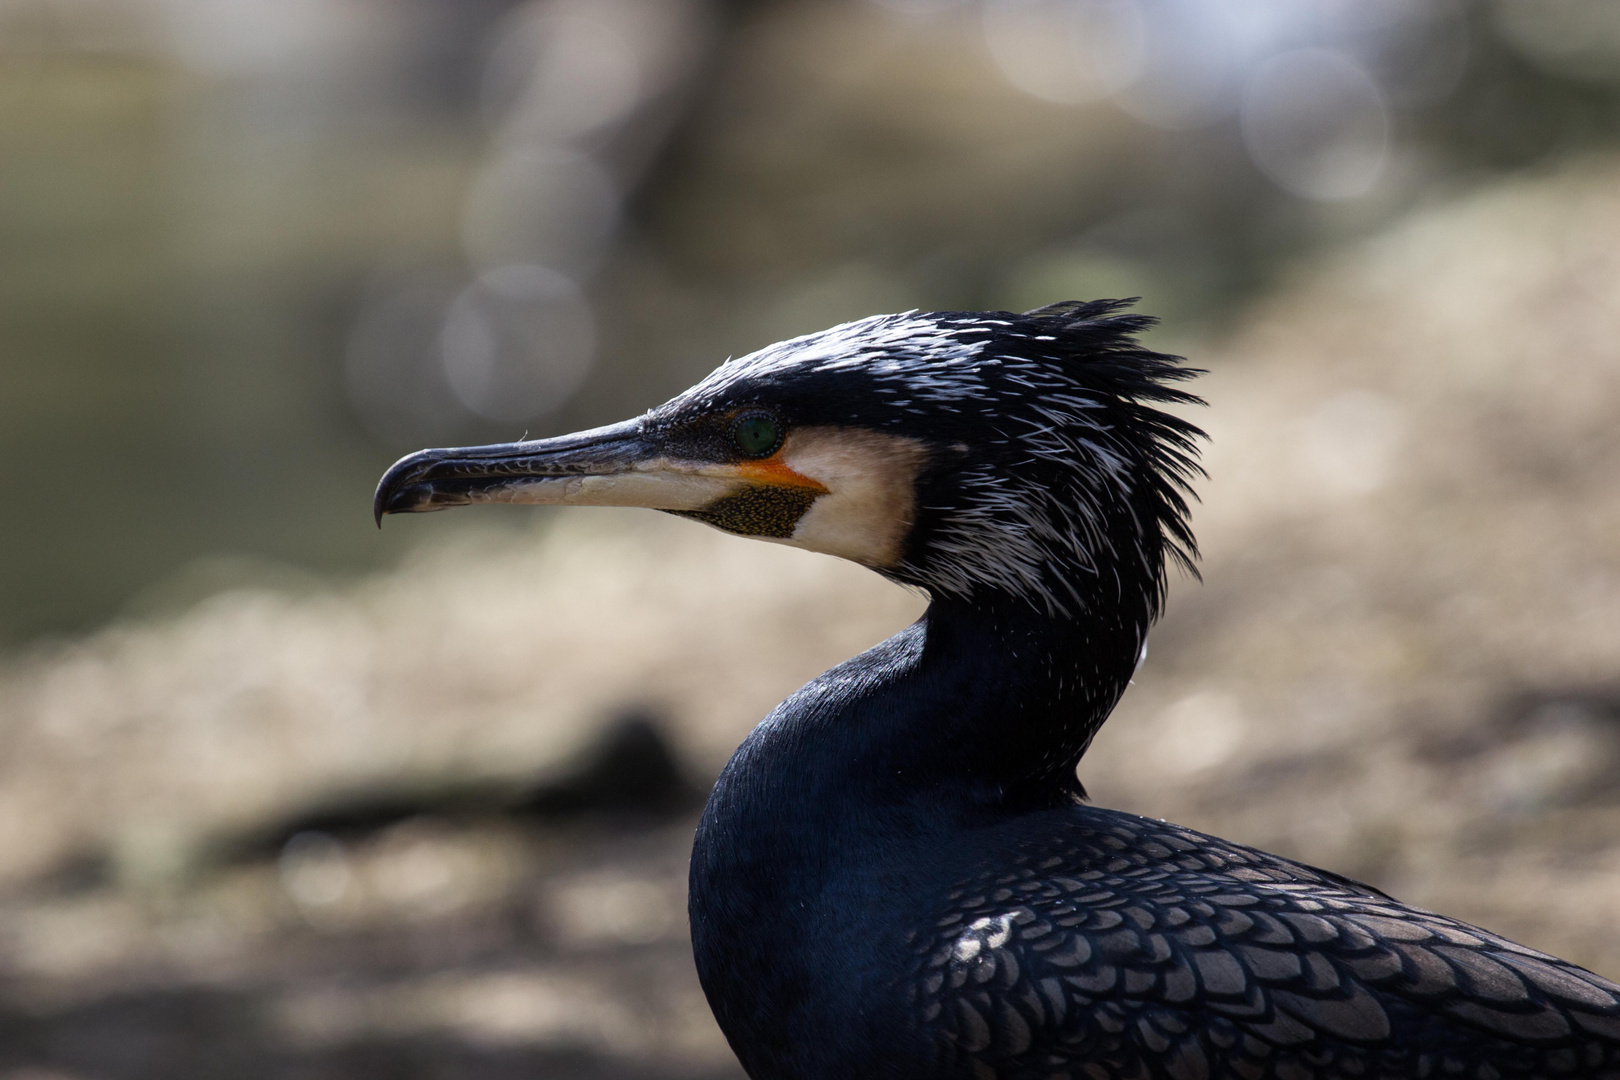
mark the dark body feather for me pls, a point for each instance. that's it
(1108, 945)
(870, 897)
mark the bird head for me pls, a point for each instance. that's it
(981, 456)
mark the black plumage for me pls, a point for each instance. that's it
(895, 875)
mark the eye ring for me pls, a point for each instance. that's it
(756, 434)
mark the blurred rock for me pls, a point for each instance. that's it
(628, 776)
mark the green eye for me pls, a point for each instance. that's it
(757, 435)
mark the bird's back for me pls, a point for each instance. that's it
(1091, 943)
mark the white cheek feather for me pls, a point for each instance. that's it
(871, 492)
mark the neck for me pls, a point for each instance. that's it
(973, 713)
(1013, 696)
(978, 706)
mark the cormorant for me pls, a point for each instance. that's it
(896, 875)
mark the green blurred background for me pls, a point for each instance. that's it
(282, 796)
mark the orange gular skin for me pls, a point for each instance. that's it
(774, 471)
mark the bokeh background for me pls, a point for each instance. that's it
(284, 797)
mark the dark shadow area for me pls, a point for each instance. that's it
(629, 779)
(200, 1034)
(629, 774)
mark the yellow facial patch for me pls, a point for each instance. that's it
(767, 499)
(774, 470)
(841, 491)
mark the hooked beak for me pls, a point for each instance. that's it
(615, 465)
